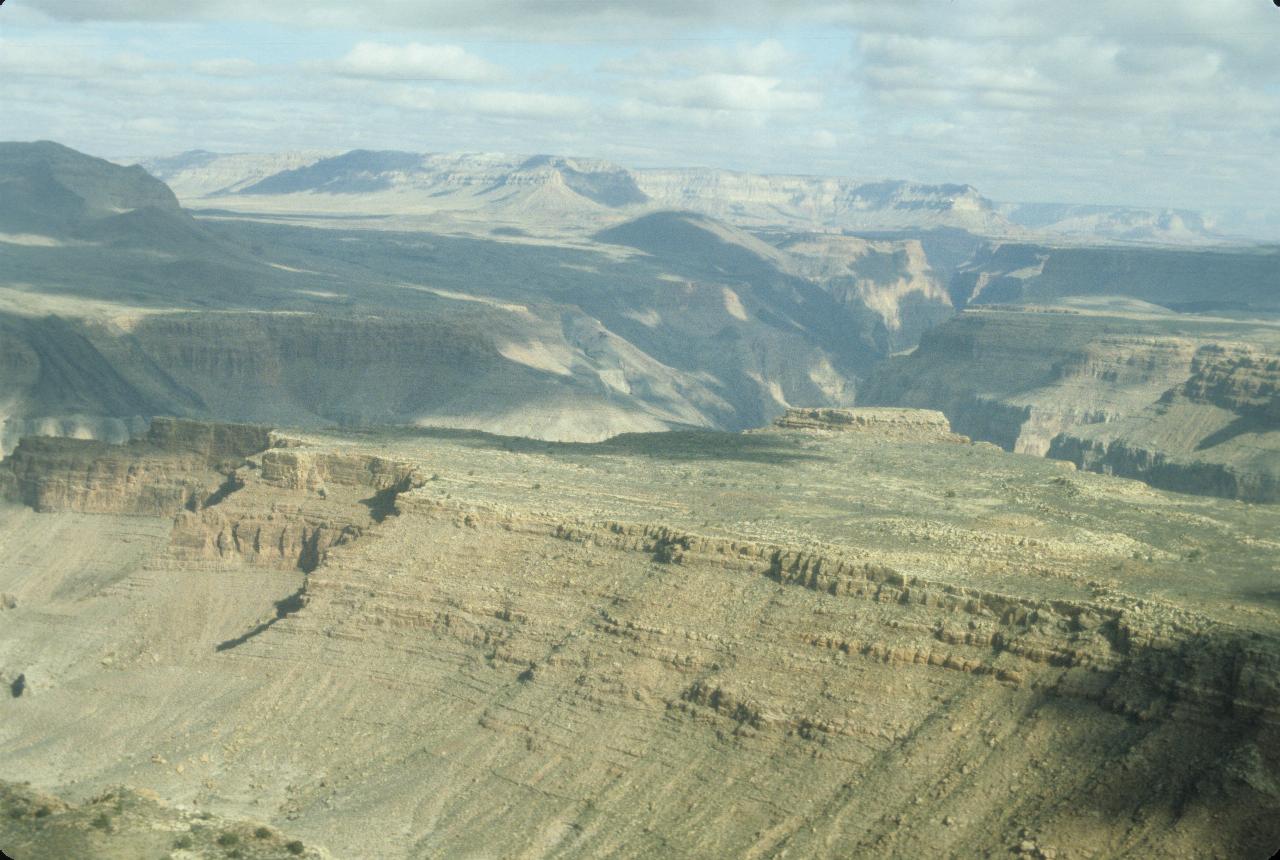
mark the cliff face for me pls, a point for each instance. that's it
(895, 280)
(235, 496)
(1251, 482)
(906, 642)
(174, 466)
(1243, 380)
(1187, 403)
(1019, 378)
(918, 424)
(290, 508)
(1218, 431)
(566, 377)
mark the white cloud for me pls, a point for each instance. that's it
(728, 92)
(1119, 102)
(416, 61)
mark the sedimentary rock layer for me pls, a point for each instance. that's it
(804, 640)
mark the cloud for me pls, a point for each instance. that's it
(638, 114)
(230, 67)
(769, 57)
(74, 62)
(1120, 102)
(823, 139)
(527, 19)
(415, 61)
(1243, 26)
(509, 104)
(1091, 80)
(728, 93)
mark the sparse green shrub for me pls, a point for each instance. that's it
(43, 812)
(262, 833)
(295, 848)
(184, 841)
(226, 840)
(102, 821)
(950, 494)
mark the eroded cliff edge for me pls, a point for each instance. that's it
(1185, 403)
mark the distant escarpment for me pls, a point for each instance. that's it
(919, 424)
(1185, 403)
(1179, 279)
(49, 189)
(566, 189)
(56, 198)
(133, 308)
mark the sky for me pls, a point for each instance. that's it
(1093, 101)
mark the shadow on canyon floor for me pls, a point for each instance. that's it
(685, 445)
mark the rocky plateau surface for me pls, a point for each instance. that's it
(854, 633)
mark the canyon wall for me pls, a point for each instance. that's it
(1183, 402)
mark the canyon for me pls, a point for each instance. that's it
(1185, 402)
(390, 506)
(331, 297)
(864, 632)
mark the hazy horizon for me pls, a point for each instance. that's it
(1169, 108)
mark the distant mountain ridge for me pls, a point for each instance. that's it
(593, 188)
(567, 304)
(50, 189)
(470, 181)
(660, 320)
(1138, 224)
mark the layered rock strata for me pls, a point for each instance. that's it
(859, 643)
